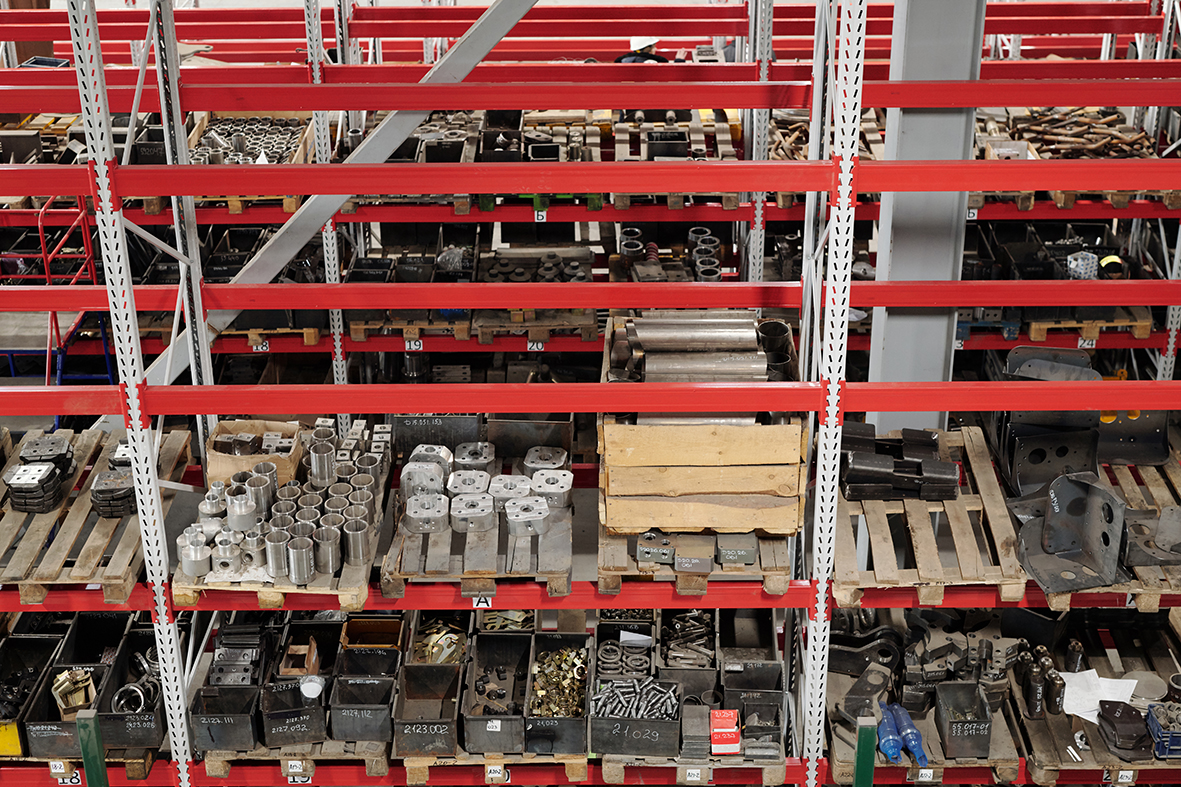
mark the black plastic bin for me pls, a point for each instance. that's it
(222, 718)
(361, 709)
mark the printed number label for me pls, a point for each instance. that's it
(1086, 344)
(540, 216)
(496, 773)
(1119, 777)
(413, 345)
(482, 602)
(693, 775)
(493, 726)
(925, 775)
(534, 347)
(265, 347)
(57, 766)
(959, 344)
(972, 214)
(295, 766)
(299, 779)
(72, 779)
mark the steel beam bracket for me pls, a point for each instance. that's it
(836, 180)
(822, 413)
(169, 612)
(145, 421)
(815, 583)
(116, 200)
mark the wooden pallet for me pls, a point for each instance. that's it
(1066, 199)
(1138, 319)
(496, 766)
(983, 533)
(1003, 758)
(257, 337)
(537, 324)
(137, 764)
(1044, 742)
(351, 587)
(615, 766)
(301, 759)
(477, 561)
(1023, 199)
(618, 564)
(410, 330)
(5, 446)
(37, 567)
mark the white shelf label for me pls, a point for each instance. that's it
(299, 779)
(265, 347)
(925, 775)
(540, 216)
(1119, 777)
(534, 347)
(692, 774)
(295, 766)
(495, 774)
(958, 344)
(74, 778)
(972, 214)
(493, 725)
(1086, 344)
(57, 766)
(413, 345)
(482, 602)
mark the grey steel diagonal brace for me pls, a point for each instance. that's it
(459, 61)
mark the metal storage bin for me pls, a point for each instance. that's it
(222, 718)
(360, 709)
(963, 719)
(641, 737)
(501, 734)
(141, 730)
(47, 734)
(426, 712)
(558, 735)
(287, 719)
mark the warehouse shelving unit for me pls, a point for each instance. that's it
(863, 33)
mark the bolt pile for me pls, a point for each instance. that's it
(1078, 133)
(635, 699)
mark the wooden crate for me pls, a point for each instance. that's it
(688, 772)
(618, 564)
(351, 587)
(983, 533)
(477, 561)
(301, 759)
(1003, 758)
(1137, 319)
(39, 563)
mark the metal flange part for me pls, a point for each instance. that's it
(427, 514)
(421, 478)
(468, 482)
(473, 513)
(527, 516)
(556, 486)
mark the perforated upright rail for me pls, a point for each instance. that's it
(109, 219)
(850, 66)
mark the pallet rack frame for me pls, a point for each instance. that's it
(840, 176)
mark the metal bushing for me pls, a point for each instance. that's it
(437, 454)
(695, 235)
(282, 521)
(336, 505)
(334, 521)
(344, 471)
(709, 243)
(364, 498)
(311, 501)
(261, 492)
(709, 274)
(468, 482)
(240, 478)
(368, 463)
(233, 536)
(195, 560)
(288, 493)
(303, 529)
(276, 551)
(308, 488)
(473, 513)
(631, 233)
(544, 457)
(632, 250)
(507, 487)
(301, 566)
(527, 516)
(323, 464)
(427, 514)
(240, 509)
(308, 516)
(365, 481)
(214, 505)
(227, 556)
(284, 508)
(555, 486)
(340, 489)
(267, 470)
(327, 545)
(421, 478)
(357, 513)
(475, 456)
(356, 542)
(324, 434)
(253, 548)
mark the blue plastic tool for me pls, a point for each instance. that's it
(888, 740)
(909, 733)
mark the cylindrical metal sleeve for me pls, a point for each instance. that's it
(300, 562)
(751, 364)
(1055, 693)
(261, 493)
(323, 464)
(327, 540)
(669, 335)
(276, 548)
(356, 542)
(363, 498)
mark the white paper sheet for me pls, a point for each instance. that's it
(1084, 690)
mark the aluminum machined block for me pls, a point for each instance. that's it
(227, 556)
(195, 560)
(475, 456)
(468, 482)
(473, 513)
(508, 487)
(233, 536)
(253, 549)
(527, 516)
(544, 457)
(241, 512)
(422, 478)
(427, 514)
(556, 486)
(214, 505)
(438, 454)
(276, 550)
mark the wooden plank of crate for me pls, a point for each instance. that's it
(1157, 488)
(722, 513)
(705, 445)
(1128, 487)
(668, 481)
(845, 562)
(881, 544)
(966, 550)
(40, 526)
(992, 500)
(63, 543)
(1173, 472)
(922, 535)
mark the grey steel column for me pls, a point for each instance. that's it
(377, 146)
(922, 234)
(184, 214)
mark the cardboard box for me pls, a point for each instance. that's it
(221, 466)
(724, 737)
